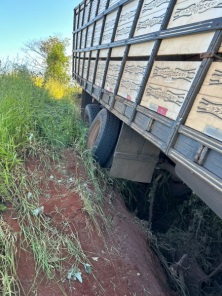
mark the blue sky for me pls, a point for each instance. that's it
(24, 20)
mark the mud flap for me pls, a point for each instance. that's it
(134, 158)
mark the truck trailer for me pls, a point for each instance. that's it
(151, 78)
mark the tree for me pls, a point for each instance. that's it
(48, 57)
(56, 60)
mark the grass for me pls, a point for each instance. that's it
(32, 122)
(9, 282)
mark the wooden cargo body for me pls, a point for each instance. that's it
(157, 66)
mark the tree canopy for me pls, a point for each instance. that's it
(48, 56)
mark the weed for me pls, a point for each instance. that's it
(8, 277)
(31, 122)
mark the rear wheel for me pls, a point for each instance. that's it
(103, 136)
(90, 112)
(86, 99)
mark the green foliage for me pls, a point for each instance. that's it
(31, 121)
(48, 57)
(8, 279)
(56, 60)
(16, 96)
(28, 115)
(2, 207)
(57, 123)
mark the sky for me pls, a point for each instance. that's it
(25, 20)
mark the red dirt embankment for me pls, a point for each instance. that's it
(122, 263)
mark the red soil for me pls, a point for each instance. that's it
(125, 266)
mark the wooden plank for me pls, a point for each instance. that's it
(100, 72)
(93, 9)
(76, 16)
(86, 15)
(97, 33)
(80, 17)
(96, 40)
(79, 67)
(109, 25)
(107, 37)
(192, 11)
(141, 49)
(78, 40)
(94, 53)
(168, 85)
(206, 116)
(151, 16)
(83, 38)
(85, 68)
(131, 79)
(102, 6)
(163, 100)
(192, 44)
(112, 75)
(89, 36)
(87, 54)
(123, 32)
(220, 49)
(128, 12)
(91, 70)
(103, 53)
(177, 75)
(118, 51)
(110, 20)
(212, 85)
(206, 113)
(126, 20)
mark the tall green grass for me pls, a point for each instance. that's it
(34, 123)
(31, 122)
(28, 113)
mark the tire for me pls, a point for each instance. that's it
(90, 112)
(179, 189)
(103, 135)
(86, 99)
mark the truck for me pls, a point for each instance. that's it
(151, 78)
